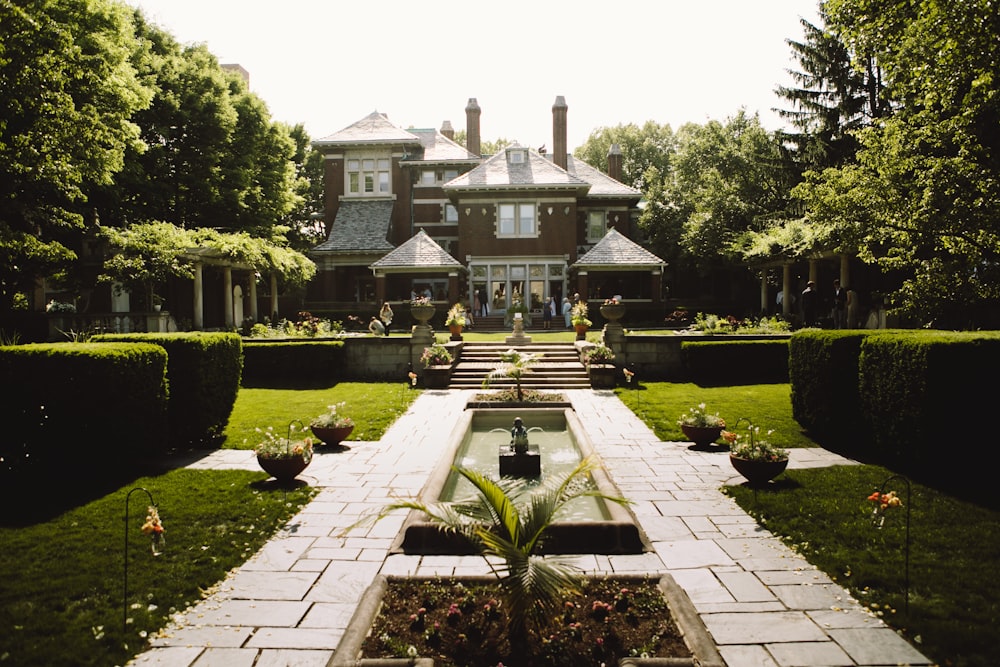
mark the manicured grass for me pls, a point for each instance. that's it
(954, 601)
(62, 580)
(62, 563)
(954, 595)
(373, 406)
(660, 405)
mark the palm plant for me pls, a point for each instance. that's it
(513, 364)
(510, 533)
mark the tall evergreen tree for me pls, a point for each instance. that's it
(833, 100)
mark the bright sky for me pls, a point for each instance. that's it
(328, 63)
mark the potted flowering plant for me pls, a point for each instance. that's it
(283, 458)
(700, 426)
(437, 366)
(754, 457)
(578, 317)
(455, 320)
(597, 359)
(332, 426)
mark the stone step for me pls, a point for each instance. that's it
(558, 367)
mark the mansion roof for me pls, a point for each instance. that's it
(499, 172)
(439, 148)
(373, 129)
(419, 252)
(360, 226)
(618, 251)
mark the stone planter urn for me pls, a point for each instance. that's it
(332, 435)
(702, 436)
(602, 376)
(422, 312)
(613, 312)
(758, 473)
(437, 377)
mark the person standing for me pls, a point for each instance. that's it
(839, 306)
(386, 316)
(547, 313)
(810, 304)
(567, 309)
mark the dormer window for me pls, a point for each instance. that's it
(517, 155)
(368, 175)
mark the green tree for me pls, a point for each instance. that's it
(924, 197)
(305, 222)
(833, 100)
(645, 147)
(68, 92)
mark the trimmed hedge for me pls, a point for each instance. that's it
(733, 362)
(292, 363)
(72, 403)
(204, 371)
(928, 396)
(823, 372)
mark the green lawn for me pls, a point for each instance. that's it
(61, 582)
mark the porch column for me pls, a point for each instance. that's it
(199, 298)
(274, 297)
(581, 284)
(656, 285)
(845, 271)
(379, 288)
(786, 289)
(453, 295)
(227, 288)
(764, 305)
(253, 297)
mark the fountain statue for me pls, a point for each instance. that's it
(519, 458)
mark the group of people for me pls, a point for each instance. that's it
(844, 305)
(379, 325)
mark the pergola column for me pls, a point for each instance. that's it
(845, 271)
(199, 298)
(763, 291)
(227, 288)
(253, 297)
(786, 289)
(274, 296)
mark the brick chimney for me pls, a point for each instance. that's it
(447, 130)
(615, 162)
(559, 131)
(472, 141)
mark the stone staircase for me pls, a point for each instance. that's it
(558, 367)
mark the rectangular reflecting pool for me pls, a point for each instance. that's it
(586, 525)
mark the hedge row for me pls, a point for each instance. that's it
(204, 371)
(292, 363)
(910, 400)
(74, 402)
(731, 362)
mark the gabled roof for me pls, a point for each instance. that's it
(373, 129)
(360, 226)
(438, 148)
(421, 252)
(601, 185)
(617, 251)
(534, 173)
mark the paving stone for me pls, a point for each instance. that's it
(809, 654)
(305, 638)
(328, 615)
(255, 613)
(691, 553)
(762, 628)
(877, 646)
(745, 587)
(172, 656)
(293, 658)
(257, 585)
(853, 616)
(343, 581)
(226, 657)
(206, 635)
(821, 596)
(701, 586)
(747, 656)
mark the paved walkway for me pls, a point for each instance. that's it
(764, 605)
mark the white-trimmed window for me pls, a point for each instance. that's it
(450, 174)
(428, 177)
(450, 213)
(516, 219)
(597, 225)
(368, 176)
